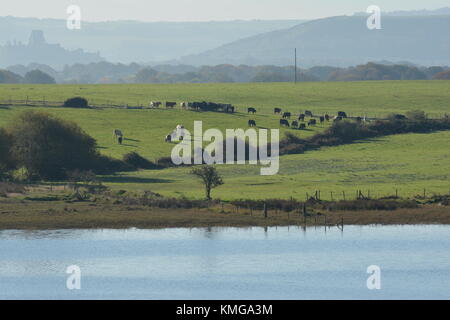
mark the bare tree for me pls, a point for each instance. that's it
(209, 176)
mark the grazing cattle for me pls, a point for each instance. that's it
(184, 105)
(251, 110)
(170, 104)
(251, 123)
(277, 111)
(286, 115)
(327, 117)
(322, 119)
(119, 139)
(117, 133)
(294, 124)
(312, 122)
(308, 113)
(168, 138)
(284, 122)
(229, 109)
(301, 117)
(342, 114)
(337, 118)
(155, 104)
(302, 126)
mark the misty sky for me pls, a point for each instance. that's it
(205, 10)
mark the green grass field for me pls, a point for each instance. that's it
(408, 163)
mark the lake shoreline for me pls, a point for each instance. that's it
(50, 215)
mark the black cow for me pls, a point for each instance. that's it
(251, 123)
(327, 117)
(312, 122)
(294, 124)
(286, 115)
(229, 109)
(277, 111)
(170, 104)
(322, 119)
(302, 126)
(342, 114)
(308, 113)
(252, 110)
(301, 117)
(284, 122)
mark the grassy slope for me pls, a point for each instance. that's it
(408, 162)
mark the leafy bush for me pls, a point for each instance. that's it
(416, 115)
(76, 102)
(49, 147)
(6, 161)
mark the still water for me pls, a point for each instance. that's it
(228, 263)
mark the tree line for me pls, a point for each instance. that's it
(105, 72)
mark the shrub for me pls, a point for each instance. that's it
(360, 205)
(416, 115)
(76, 102)
(49, 147)
(6, 160)
(347, 131)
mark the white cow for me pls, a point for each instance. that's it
(155, 104)
(117, 133)
(179, 131)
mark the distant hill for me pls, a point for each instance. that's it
(340, 41)
(436, 12)
(133, 41)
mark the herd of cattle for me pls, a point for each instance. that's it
(300, 123)
(199, 106)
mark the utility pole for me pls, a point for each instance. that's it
(295, 64)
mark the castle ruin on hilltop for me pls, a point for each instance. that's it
(39, 51)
